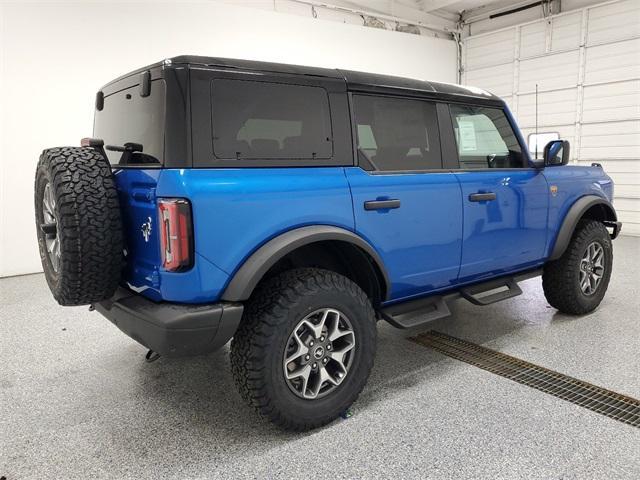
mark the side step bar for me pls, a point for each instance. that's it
(423, 310)
(501, 288)
(416, 312)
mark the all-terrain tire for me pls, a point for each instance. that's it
(258, 347)
(561, 277)
(76, 192)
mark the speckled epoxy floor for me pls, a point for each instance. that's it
(78, 401)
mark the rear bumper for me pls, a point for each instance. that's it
(172, 329)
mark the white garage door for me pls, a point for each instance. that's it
(586, 64)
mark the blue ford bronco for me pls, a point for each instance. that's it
(289, 208)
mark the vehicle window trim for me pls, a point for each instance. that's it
(354, 134)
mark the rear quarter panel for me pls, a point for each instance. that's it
(235, 211)
(570, 183)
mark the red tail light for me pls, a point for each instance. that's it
(176, 233)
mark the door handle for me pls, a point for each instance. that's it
(382, 204)
(482, 197)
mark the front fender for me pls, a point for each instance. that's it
(573, 216)
(253, 269)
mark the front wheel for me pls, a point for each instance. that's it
(577, 281)
(305, 348)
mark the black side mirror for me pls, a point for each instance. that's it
(556, 153)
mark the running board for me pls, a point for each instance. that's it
(481, 294)
(423, 310)
(416, 312)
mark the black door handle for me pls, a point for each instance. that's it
(382, 204)
(482, 197)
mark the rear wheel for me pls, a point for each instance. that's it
(577, 281)
(305, 348)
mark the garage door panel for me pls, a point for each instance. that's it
(532, 39)
(627, 204)
(614, 101)
(613, 62)
(554, 108)
(566, 132)
(597, 153)
(628, 216)
(614, 21)
(617, 167)
(611, 128)
(632, 179)
(630, 228)
(509, 101)
(565, 33)
(550, 72)
(497, 79)
(491, 49)
(626, 191)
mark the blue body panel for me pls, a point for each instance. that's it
(508, 233)
(435, 241)
(138, 193)
(420, 242)
(572, 183)
(235, 211)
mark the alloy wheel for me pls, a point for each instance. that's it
(50, 227)
(592, 267)
(319, 353)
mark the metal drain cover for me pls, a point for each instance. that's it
(615, 405)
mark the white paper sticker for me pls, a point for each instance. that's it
(467, 135)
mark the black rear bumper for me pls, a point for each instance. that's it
(172, 329)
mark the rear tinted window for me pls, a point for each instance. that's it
(397, 133)
(128, 117)
(261, 120)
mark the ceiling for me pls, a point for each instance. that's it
(429, 11)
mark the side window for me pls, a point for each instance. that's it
(397, 133)
(261, 120)
(485, 138)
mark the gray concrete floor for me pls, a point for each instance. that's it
(78, 401)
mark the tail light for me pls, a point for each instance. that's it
(176, 233)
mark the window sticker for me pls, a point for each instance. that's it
(467, 135)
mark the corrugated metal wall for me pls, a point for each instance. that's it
(587, 67)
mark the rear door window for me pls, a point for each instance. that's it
(397, 134)
(128, 117)
(263, 120)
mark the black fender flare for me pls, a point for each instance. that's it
(246, 278)
(573, 216)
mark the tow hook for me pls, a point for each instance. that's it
(151, 356)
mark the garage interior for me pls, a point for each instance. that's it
(78, 400)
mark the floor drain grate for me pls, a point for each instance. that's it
(619, 407)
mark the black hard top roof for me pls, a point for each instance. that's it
(356, 81)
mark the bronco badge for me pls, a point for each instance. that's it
(146, 229)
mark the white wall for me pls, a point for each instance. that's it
(55, 55)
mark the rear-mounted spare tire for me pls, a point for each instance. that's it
(78, 224)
